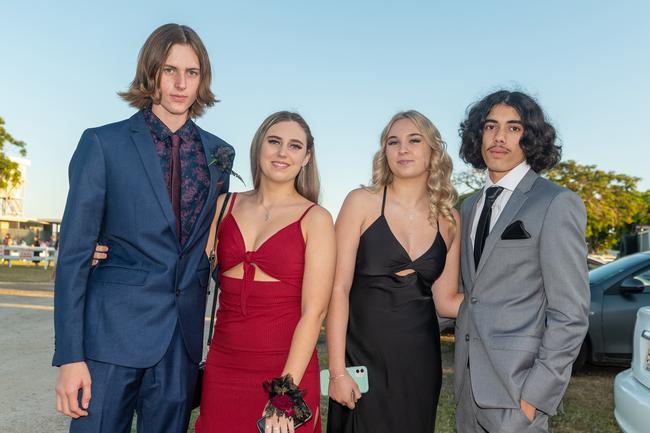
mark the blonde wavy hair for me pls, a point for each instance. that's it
(441, 192)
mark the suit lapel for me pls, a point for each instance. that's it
(516, 201)
(215, 176)
(144, 144)
(467, 249)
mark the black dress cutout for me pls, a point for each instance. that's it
(393, 330)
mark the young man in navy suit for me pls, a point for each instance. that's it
(129, 331)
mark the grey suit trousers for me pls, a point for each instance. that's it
(472, 419)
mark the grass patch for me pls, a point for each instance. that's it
(588, 402)
(26, 274)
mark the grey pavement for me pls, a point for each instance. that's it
(27, 286)
(27, 399)
(26, 344)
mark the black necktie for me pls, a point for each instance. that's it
(483, 227)
(175, 176)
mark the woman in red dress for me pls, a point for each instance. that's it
(276, 255)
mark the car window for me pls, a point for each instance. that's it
(616, 267)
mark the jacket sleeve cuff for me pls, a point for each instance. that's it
(67, 356)
(543, 389)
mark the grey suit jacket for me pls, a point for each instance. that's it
(526, 306)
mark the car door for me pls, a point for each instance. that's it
(619, 314)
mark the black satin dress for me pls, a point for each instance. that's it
(393, 330)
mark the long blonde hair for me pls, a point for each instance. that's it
(442, 194)
(307, 182)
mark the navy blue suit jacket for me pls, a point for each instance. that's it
(125, 310)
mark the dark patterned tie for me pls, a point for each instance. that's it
(483, 227)
(175, 177)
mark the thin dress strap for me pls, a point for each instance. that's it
(305, 212)
(229, 200)
(232, 202)
(383, 200)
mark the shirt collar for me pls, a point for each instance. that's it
(511, 179)
(162, 132)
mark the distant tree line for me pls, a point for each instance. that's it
(9, 170)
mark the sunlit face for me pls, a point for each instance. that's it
(407, 153)
(284, 151)
(502, 133)
(180, 76)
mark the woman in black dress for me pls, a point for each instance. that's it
(398, 252)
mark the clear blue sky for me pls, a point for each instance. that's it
(346, 66)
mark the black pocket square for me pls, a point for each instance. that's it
(515, 230)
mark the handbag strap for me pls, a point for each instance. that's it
(213, 266)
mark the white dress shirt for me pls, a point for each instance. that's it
(509, 182)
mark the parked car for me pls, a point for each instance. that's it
(618, 290)
(632, 386)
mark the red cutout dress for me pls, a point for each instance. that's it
(253, 331)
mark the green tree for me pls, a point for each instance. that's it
(467, 183)
(9, 170)
(612, 200)
(644, 216)
(470, 180)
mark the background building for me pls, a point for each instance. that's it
(12, 219)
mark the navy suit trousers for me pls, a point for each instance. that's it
(161, 395)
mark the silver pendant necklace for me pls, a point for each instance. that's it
(267, 212)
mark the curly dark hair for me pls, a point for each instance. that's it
(537, 142)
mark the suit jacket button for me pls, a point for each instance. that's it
(178, 292)
(473, 300)
(466, 337)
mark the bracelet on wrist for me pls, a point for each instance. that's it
(337, 377)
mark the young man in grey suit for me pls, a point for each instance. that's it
(524, 273)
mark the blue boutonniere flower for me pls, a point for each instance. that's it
(223, 157)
